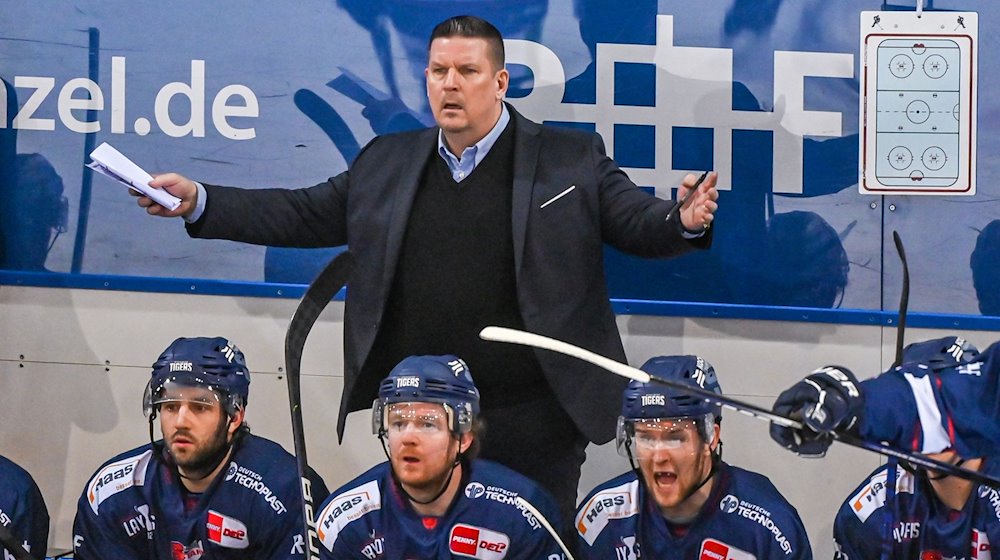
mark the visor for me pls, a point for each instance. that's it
(172, 389)
(421, 416)
(648, 435)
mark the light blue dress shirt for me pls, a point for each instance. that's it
(471, 156)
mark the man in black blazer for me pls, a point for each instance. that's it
(488, 218)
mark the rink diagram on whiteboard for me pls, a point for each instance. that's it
(917, 112)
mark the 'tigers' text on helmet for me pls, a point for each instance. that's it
(78, 97)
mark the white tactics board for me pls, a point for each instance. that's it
(918, 102)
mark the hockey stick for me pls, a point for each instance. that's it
(317, 296)
(545, 523)
(904, 299)
(513, 336)
(13, 544)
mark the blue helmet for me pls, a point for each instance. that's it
(436, 379)
(211, 363)
(650, 400)
(940, 353)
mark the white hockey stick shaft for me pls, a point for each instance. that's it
(514, 336)
(545, 523)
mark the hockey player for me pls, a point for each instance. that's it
(682, 500)
(942, 401)
(432, 499)
(209, 488)
(22, 510)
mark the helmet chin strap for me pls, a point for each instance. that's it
(444, 487)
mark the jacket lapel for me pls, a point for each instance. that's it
(526, 145)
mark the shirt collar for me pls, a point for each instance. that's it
(478, 150)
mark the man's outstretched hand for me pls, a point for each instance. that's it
(177, 185)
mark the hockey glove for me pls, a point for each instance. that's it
(828, 400)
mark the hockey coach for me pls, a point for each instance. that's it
(486, 219)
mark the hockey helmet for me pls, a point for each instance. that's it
(652, 401)
(940, 353)
(435, 379)
(215, 364)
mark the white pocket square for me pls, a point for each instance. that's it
(557, 197)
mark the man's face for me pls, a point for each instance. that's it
(421, 447)
(463, 88)
(194, 426)
(673, 458)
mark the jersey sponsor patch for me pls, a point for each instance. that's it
(180, 551)
(238, 474)
(712, 549)
(756, 514)
(141, 521)
(226, 531)
(611, 503)
(871, 497)
(981, 546)
(993, 497)
(117, 476)
(345, 508)
(477, 542)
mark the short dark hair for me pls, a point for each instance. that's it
(473, 28)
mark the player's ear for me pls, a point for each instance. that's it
(716, 435)
(236, 420)
(465, 442)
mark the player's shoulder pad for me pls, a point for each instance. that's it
(991, 496)
(12, 475)
(615, 499)
(494, 485)
(871, 495)
(266, 457)
(118, 475)
(351, 502)
(264, 469)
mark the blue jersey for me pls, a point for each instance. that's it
(370, 518)
(928, 408)
(134, 508)
(22, 510)
(744, 518)
(913, 524)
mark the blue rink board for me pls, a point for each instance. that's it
(620, 306)
(794, 240)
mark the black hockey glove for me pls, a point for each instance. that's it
(828, 400)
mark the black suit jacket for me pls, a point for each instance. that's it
(568, 199)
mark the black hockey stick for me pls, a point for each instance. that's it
(13, 544)
(904, 299)
(317, 296)
(513, 336)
